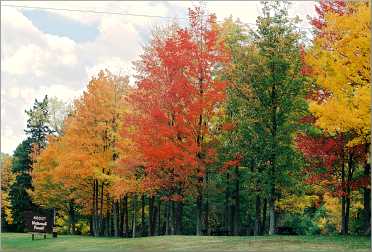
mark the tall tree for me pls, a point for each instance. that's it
(279, 87)
(176, 98)
(339, 61)
(19, 198)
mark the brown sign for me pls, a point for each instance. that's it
(39, 221)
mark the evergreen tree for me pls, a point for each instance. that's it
(37, 131)
(20, 200)
(38, 123)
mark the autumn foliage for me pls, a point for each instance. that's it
(217, 123)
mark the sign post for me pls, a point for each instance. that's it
(54, 225)
(39, 221)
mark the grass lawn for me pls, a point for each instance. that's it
(22, 242)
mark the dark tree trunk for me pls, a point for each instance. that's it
(232, 217)
(272, 215)
(273, 157)
(101, 211)
(108, 223)
(257, 223)
(143, 227)
(206, 217)
(264, 213)
(156, 226)
(227, 204)
(151, 227)
(95, 207)
(237, 203)
(121, 216)
(343, 198)
(72, 217)
(172, 218)
(134, 201)
(367, 201)
(167, 218)
(347, 215)
(179, 210)
(91, 232)
(199, 210)
(126, 217)
(348, 192)
(158, 229)
(116, 217)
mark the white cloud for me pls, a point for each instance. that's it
(36, 63)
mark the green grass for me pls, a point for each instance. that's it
(22, 242)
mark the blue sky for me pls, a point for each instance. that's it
(60, 26)
(57, 52)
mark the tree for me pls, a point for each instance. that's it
(38, 123)
(58, 111)
(279, 87)
(176, 98)
(339, 61)
(7, 179)
(19, 198)
(83, 158)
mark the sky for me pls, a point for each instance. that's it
(57, 52)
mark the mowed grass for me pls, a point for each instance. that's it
(22, 242)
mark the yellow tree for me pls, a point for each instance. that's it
(7, 178)
(83, 158)
(340, 63)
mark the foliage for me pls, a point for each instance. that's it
(340, 63)
(19, 198)
(7, 179)
(226, 129)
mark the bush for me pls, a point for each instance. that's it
(301, 224)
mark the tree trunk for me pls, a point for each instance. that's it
(264, 213)
(167, 218)
(91, 226)
(93, 221)
(151, 226)
(126, 217)
(237, 202)
(158, 229)
(115, 217)
(172, 218)
(367, 201)
(101, 211)
(134, 199)
(347, 215)
(274, 125)
(179, 210)
(206, 217)
(108, 223)
(257, 223)
(227, 204)
(348, 192)
(95, 215)
(343, 215)
(143, 227)
(199, 206)
(72, 219)
(272, 215)
(343, 198)
(155, 230)
(232, 219)
(121, 215)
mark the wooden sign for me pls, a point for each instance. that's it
(39, 221)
